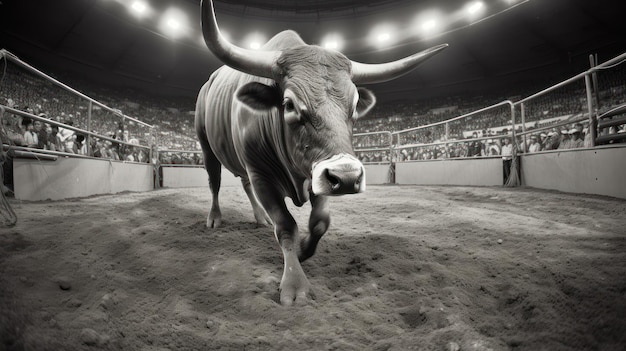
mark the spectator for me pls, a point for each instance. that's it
(564, 144)
(30, 137)
(587, 138)
(576, 140)
(42, 135)
(492, 148)
(70, 144)
(543, 137)
(81, 146)
(534, 146)
(507, 157)
(553, 141)
(9, 128)
(474, 149)
(54, 140)
(64, 135)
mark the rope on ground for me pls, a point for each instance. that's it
(9, 218)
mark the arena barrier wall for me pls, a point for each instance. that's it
(377, 174)
(70, 177)
(177, 176)
(600, 171)
(485, 171)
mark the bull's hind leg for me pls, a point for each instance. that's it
(259, 213)
(214, 170)
(319, 221)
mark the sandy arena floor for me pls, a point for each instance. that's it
(402, 268)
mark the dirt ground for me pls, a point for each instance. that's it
(401, 268)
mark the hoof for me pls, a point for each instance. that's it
(290, 297)
(213, 222)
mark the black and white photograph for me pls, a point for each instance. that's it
(312, 175)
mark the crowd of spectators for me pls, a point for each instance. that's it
(172, 122)
(488, 128)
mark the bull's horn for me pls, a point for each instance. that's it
(258, 63)
(363, 73)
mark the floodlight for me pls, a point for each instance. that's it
(139, 8)
(174, 23)
(429, 25)
(475, 7)
(255, 40)
(428, 22)
(383, 35)
(333, 42)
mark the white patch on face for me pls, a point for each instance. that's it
(338, 175)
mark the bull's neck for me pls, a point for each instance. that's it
(272, 157)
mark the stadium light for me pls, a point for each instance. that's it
(428, 23)
(333, 42)
(174, 23)
(139, 9)
(255, 40)
(475, 8)
(383, 35)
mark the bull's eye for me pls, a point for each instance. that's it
(289, 106)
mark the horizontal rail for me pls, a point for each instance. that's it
(604, 65)
(610, 137)
(617, 110)
(8, 55)
(181, 151)
(11, 110)
(556, 125)
(612, 122)
(503, 103)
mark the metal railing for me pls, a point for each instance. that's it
(442, 136)
(88, 130)
(367, 146)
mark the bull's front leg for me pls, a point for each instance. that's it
(294, 285)
(319, 221)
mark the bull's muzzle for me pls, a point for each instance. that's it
(339, 175)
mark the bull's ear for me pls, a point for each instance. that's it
(259, 96)
(367, 100)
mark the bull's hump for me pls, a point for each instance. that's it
(284, 40)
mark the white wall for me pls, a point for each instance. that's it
(601, 170)
(69, 177)
(376, 174)
(183, 177)
(473, 171)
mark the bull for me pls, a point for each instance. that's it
(281, 119)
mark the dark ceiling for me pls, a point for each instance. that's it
(537, 42)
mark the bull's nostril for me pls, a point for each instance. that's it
(335, 182)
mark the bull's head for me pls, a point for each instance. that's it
(318, 100)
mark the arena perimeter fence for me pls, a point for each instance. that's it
(105, 129)
(594, 99)
(600, 105)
